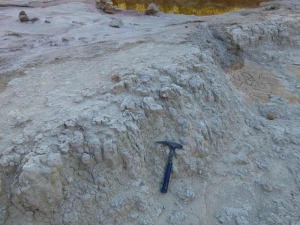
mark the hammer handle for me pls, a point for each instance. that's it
(164, 188)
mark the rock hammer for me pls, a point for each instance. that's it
(172, 146)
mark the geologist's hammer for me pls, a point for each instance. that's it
(172, 146)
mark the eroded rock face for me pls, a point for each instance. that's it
(39, 186)
(79, 144)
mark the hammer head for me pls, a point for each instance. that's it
(170, 144)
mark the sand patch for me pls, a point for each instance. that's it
(258, 83)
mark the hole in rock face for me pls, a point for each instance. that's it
(189, 7)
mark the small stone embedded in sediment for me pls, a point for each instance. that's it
(271, 116)
(23, 17)
(86, 158)
(268, 187)
(64, 39)
(106, 5)
(109, 8)
(115, 77)
(116, 23)
(152, 9)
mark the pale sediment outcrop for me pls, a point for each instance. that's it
(78, 126)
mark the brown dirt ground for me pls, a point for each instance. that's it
(258, 84)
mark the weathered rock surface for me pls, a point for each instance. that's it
(82, 104)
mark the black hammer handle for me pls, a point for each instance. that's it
(164, 188)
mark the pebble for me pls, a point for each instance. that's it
(117, 23)
(115, 78)
(64, 39)
(86, 158)
(109, 8)
(64, 148)
(152, 9)
(23, 16)
(271, 116)
(70, 179)
(268, 187)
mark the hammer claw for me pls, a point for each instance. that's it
(171, 144)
